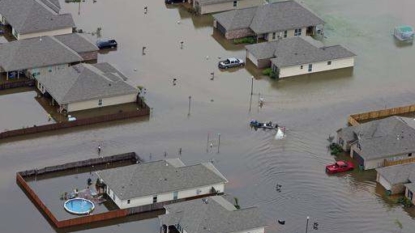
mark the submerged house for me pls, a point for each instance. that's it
(298, 55)
(213, 6)
(40, 56)
(35, 18)
(151, 185)
(394, 178)
(269, 22)
(212, 214)
(86, 86)
(380, 142)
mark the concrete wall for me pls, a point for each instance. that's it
(169, 196)
(280, 35)
(228, 6)
(90, 104)
(316, 67)
(47, 33)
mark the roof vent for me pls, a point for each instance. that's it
(109, 84)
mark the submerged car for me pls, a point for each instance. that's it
(230, 63)
(107, 44)
(339, 166)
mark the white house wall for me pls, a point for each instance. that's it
(384, 183)
(251, 57)
(169, 196)
(62, 31)
(90, 104)
(290, 33)
(255, 230)
(226, 6)
(317, 67)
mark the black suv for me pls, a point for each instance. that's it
(106, 44)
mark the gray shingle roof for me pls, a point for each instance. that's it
(35, 53)
(159, 177)
(213, 214)
(29, 16)
(297, 51)
(273, 17)
(410, 186)
(397, 174)
(77, 42)
(384, 138)
(84, 82)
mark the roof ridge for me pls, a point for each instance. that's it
(72, 85)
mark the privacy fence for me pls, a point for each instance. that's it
(143, 110)
(356, 119)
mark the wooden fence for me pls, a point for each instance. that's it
(403, 161)
(131, 156)
(355, 119)
(16, 84)
(144, 111)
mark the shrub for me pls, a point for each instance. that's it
(336, 149)
(245, 40)
(269, 72)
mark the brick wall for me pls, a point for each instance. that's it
(240, 33)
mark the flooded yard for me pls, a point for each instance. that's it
(21, 109)
(311, 107)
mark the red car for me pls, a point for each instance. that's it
(339, 166)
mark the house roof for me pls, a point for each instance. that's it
(273, 17)
(398, 174)
(297, 51)
(29, 16)
(84, 82)
(410, 186)
(77, 42)
(34, 53)
(212, 214)
(382, 138)
(159, 177)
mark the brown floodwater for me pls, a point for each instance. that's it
(312, 107)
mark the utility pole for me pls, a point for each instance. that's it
(252, 85)
(306, 227)
(190, 101)
(218, 142)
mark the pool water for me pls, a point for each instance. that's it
(79, 206)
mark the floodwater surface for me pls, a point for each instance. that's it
(311, 107)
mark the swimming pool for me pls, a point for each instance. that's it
(79, 206)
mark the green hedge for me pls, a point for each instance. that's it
(245, 40)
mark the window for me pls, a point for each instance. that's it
(128, 201)
(329, 63)
(310, 67)
(175, 195)
(50, 69)
(410, 195)
(410, 154)
(297, 32)
(99, 102)
(273, 35)
(235, 3)
(285, 34)
(154, 199)
(301, 67)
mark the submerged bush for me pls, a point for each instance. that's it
(336, 149)
(245, 40)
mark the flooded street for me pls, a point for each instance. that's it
(310, 107)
